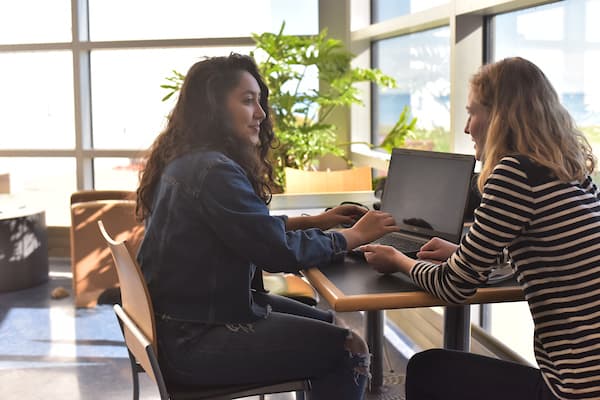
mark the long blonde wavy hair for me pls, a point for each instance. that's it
(527, 118)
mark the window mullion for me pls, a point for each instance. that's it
(82, 94)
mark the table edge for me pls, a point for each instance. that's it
(370, 302)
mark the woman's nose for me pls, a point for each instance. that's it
(467, 130)
(260, 113)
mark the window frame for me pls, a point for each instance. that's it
(81, 47)
(469, 44)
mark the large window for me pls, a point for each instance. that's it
(563, 39)
(35, 21)
(77, 112)
(382, 10)
(177, 19)
(43, 182)
(37, 101)
(115, 173)
(420, 63)
(126, 95)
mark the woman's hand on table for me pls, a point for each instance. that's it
(437, 250)
(386, 260)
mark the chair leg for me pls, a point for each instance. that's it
(300, 395)
(135, 376)
(135, 368)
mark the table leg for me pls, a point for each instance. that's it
(457, 328)
(374, 333)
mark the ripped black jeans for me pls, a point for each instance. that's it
(295, 341)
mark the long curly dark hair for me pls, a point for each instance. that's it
(200, 120)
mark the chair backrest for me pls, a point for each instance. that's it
(136, 303)
(82, 196)
(4, 182)
(353, 179)
(91, 264)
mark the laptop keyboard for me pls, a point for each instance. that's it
(400, 243)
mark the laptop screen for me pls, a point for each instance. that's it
(427, 192)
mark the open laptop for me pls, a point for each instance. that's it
(427, 194)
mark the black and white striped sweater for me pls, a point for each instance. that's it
(552, 232)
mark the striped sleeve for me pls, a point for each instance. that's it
(506, 208)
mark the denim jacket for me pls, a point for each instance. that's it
(209, 234)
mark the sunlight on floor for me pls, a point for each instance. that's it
(63, 333)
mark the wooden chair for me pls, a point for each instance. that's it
(136, 316)
(94, 275)
(4, 183)
(345, 180)
(83, 196)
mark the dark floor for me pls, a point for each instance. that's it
(51, 350)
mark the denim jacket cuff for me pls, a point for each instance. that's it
(338, 242)
(284, 218)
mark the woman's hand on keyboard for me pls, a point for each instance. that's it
(369, 227)
(344, 214)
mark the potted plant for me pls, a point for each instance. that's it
(300, 115)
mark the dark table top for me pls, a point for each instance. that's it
(353, 285)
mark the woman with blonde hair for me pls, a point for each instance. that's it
(541, 209)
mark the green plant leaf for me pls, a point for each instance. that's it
(401, 129)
